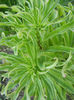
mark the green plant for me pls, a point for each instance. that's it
(43, 45)
(8, 2)
(65, 2)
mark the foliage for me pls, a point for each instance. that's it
(65, 2)
(8, 2)
(43, 45)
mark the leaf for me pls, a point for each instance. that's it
(49, 7)
(61, 49)
(59, 30)
(56, 75)
(50, 86)
(3, 6)
(27, 17)
(5, 24)
(15, 8)
(61, 93)
(59, 20)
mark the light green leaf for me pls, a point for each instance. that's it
(61, 49)
(59, 30)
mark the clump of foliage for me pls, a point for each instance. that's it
(65, 2)
(43, 45)
(9, 2)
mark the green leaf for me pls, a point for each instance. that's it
(56, 75)
(59, 30)
(61, 49)
(3, 6)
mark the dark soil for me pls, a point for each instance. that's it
(6, 49)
